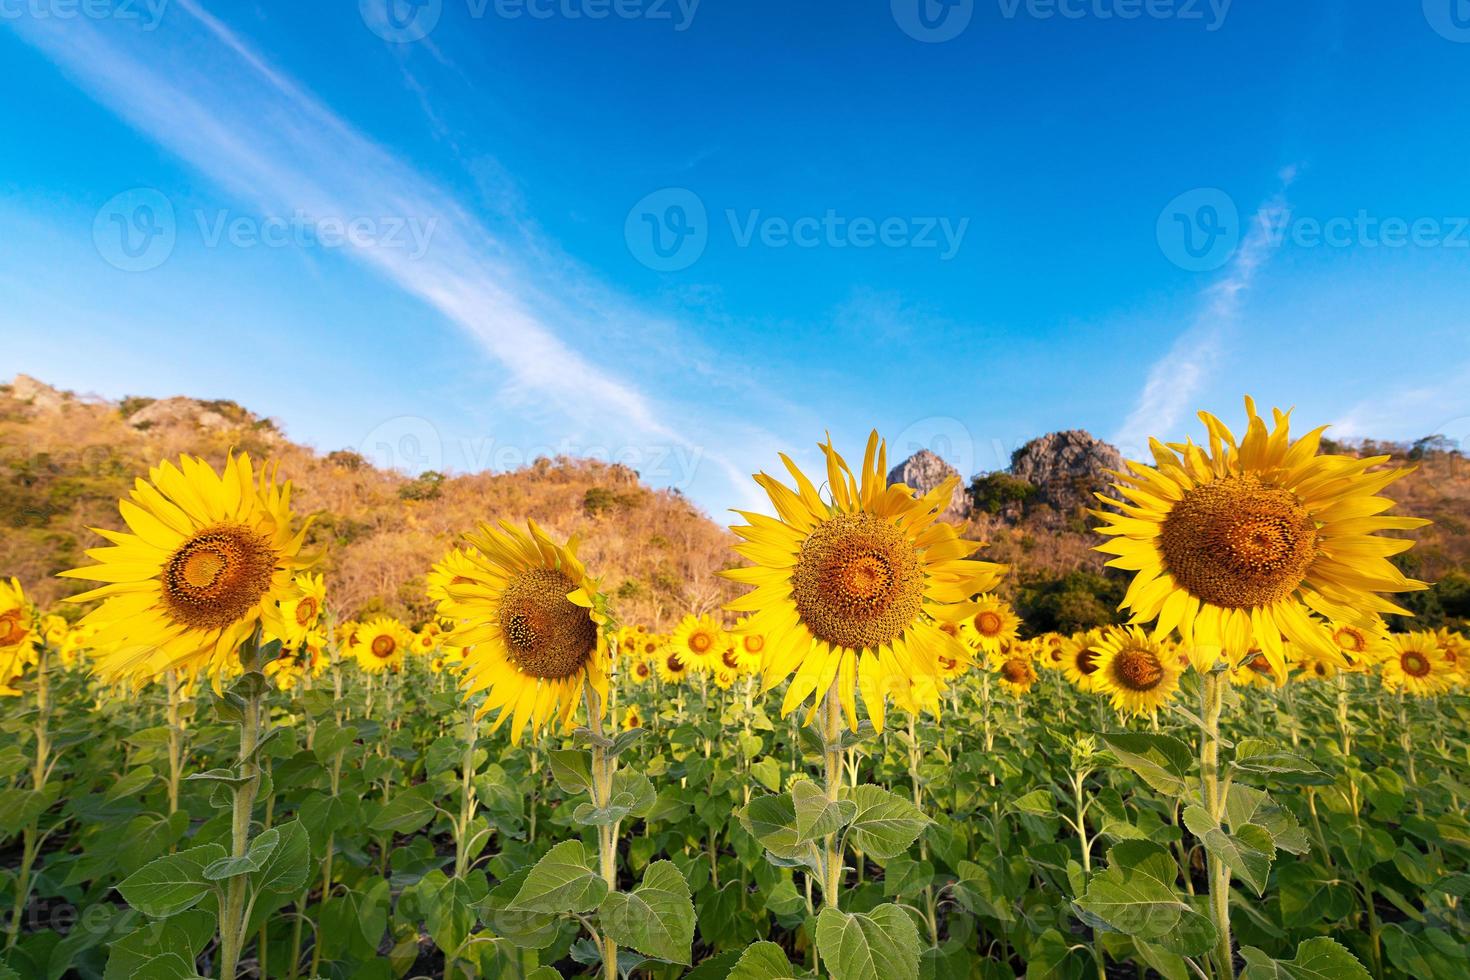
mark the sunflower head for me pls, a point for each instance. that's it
(1137, 673)
(1239, 545)
(1079, 659)
(532, 626)
(207, 556)
(380, 644)
(1016, 670)
(700, 642)
(849, 587)
(993, 623)
(19, 634)
(1417, 665)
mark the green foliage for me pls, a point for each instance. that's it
(1077, 600)
(428, 485)
(994, 492)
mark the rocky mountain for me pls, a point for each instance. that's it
(1066, 468)
(923, 471)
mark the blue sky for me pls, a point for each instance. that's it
(687, 235)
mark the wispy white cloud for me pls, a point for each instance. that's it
(1429, 406)
(1176, 379)
(214, 101)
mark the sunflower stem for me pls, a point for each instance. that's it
(1212, 698)
(603, 767)
(832, 774)
(31, 837)
(232, 923)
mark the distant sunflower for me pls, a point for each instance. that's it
(1053, 651)
(1016, 670)
(1079, 659)
(381, 644)
(700, 642)
(1238, 546)
(1357, 646)
(19, 634)
(531, 635)
(208, 557)
(994, 623)
(1416, 665)
(847, 590)
(639, 671)
(1136, 673)
(631, 718)
(297, 615)
(671, 667)
(748, 646)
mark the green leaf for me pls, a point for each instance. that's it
(882, 945)
(289, 865)
(260, 850)
(528, 930)
(1247, 852)
(166, 966)
(1316, 959)
(763, 961)
(132, 784)
(1136, 896)
(639, 791)
(1261, 755)
(562, 881)
(817, 816)
(1038, 803)
(406, 813)
(772, 821)
(905, 876)
(572, 770)
(184, 935)
(223, 777)
(885, 824)
(171, 884)
(1245, 805)
(1162, 761)
(656, 918)
(624, 741)
(768, 773)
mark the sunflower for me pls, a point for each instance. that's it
(1455, 650)
(1016, 670)
(700, 642)
(1079, 659)
(446, 660)
(1416, 665)
(994, 623)
(1237, 547)
(298, 615)
(670, 666)
(381, 644)
(425, 642)
(19, 632)
(208, 557)
(639, 671)
(848, 591)
(530, 626)
(748, 646)
(1053, 654)
(649, 645)
(1359, 647)
(631, 718)
(1138, 674)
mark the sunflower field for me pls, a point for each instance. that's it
(865, 767)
